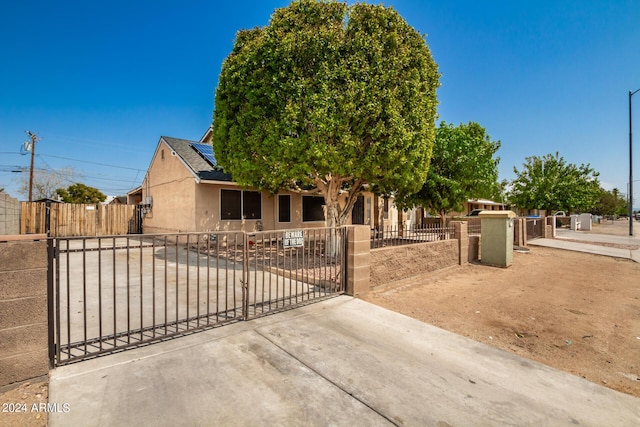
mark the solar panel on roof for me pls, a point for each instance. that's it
(206, 151)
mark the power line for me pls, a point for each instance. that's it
(93, 163)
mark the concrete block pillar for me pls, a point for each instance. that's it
(520, 231)
(23, 308)
(462, 236)
(358, 260)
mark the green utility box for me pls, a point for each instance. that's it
(496, 239)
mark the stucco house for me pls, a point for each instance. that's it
(185, 191)
(484, 204)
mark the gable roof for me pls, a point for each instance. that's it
(194, 160)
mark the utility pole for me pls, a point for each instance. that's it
(631, 166)
(34, 138)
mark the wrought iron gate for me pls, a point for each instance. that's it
(111, 293)
(535, 227)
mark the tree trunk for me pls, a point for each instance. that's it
(335, 215)
(332, 222)
(443, 219)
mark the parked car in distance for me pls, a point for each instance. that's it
(560, 213)
(475, 212)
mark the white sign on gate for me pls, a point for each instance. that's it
(293, 239)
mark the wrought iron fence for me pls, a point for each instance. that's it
(474, 226)
(535, 227)
(115, 292)
(397, 236)
(291, 267)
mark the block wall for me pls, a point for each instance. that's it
(9, 215)
(23, 308)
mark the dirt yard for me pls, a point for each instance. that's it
(573, 311)
(25, 406)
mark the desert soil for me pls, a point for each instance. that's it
(573, 311)
(17, 405)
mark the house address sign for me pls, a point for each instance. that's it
(293, 239)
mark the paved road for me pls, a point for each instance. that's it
(339, 362)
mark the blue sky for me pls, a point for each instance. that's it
(100, 82)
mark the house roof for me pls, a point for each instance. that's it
(484, 202)
(194, 160)
(135, 190)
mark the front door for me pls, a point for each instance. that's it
(357, 214)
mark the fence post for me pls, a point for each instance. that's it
(462, 235)
(358, 260)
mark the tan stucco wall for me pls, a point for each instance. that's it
(172, 188)
(207, 211)
(181, 204)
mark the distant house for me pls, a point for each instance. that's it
(185, 191)
(116, 200)
(134, 197)
(484, 204)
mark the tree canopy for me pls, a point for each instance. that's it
(328, 97)
(611, 203)
(80, 193)
(462, 166)
(552, 184)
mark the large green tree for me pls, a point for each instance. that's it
(463, 165)
(80, 193)
(328, 98)
(611, 203)
(552, 184)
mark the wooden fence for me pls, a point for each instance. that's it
(68, 220)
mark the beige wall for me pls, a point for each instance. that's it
(207, 211)
(389, 265)
(382, 267)
(172, 187)
(23, 308)
(180, 204)
(9, 214)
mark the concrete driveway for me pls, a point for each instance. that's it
(339, 362)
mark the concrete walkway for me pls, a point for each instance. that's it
(592, 243)
(339, 362)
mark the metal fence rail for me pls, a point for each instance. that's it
(114, 292)
(292, 267)
(474, 226)
(535, 227)
(397, 236)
